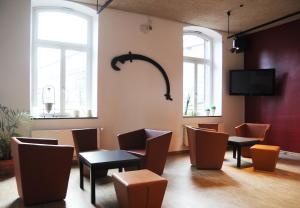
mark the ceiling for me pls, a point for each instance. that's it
(210, 13)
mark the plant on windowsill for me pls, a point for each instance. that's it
(194, 113)
(11, 121)
(213, 110)
(187, 104)
(207, 111)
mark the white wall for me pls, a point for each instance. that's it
(128, 99)
(15, 53)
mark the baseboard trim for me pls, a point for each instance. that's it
(290, 153)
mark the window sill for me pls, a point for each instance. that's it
(202, 116)
(55, 118)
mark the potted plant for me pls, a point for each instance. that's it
(194, 113)
(207, 111)
(11, 122)
(213, 110)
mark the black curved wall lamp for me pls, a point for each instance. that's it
(130, 57)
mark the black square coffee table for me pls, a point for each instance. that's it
(237, 143)
(105, 159)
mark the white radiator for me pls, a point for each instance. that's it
(64, 136)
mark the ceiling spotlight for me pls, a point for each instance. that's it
(238, 45)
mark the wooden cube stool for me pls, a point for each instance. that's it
(264, 157)
(139, 189)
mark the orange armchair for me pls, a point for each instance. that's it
(252, 130)
(86, 140)
(207, 148)
(213, 126)
(150, 145)
(42, 169)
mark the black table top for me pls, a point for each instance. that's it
(241, 140)
(106, 156)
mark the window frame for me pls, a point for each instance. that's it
(208, 86)
(63, 47)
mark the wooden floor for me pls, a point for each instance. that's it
(192, 188)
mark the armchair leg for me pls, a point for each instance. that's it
(92, 180)
(81, 174)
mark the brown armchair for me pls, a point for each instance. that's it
(207, 148)
(42, 169)
(252, 130)
(150, 145)
(213, 126)
(86, 140)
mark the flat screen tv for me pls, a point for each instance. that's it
(254, 82)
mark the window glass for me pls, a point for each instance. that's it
(63, 27)
(189, 88)
(48, 74)
(76, 80)
(200, 87)
(207, 49)
(196, 74)
(62, 62)
(193, 46)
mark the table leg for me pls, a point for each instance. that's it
(234, 151)
(139, 165)
(238, 156)
(81, 174)
(92, 180)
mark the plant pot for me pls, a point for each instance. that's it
(213, 112)
(207, 113)
(7, 168)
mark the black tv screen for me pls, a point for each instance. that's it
(252, 82)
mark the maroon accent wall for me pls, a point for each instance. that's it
(278, 48)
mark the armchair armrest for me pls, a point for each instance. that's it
(267, 132)
(37, 140)
(240, 130)
(132, 140)
(156, 152)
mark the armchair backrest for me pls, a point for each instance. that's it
(157, 146)
(42, 170)
(213, 126)
(84, 140)
(253, 130)
(207, 148)
(132, 140)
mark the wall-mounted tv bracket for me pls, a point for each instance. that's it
(130, 57)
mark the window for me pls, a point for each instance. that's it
(62, 60)
(197, 73)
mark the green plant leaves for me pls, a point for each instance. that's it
(10, 121)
